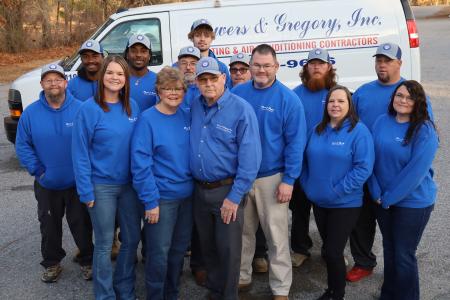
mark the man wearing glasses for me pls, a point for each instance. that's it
(44, 131)
(187, 60)
(282, 129)
(225, 156)
(239, 68)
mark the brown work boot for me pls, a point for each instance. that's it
(298, 259)
(260, 265)
(200, 277)
(280, 297)
(245, 287)
(51, 274)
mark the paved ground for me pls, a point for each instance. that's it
(19, 231)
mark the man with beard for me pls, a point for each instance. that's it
(372, 100)
(138, 54)
(202, 34)
(187, 60)
(84, 86)
(44, 131)
(317, 76)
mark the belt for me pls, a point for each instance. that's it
(215, 184)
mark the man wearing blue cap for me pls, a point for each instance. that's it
(240, 68)
(317, 77)
(187, 61)
(138, 54)
(225, 156)
(43, 133)
(283, 138)
(84, 86)
(202, 34)
(372, 100)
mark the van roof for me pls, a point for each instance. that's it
(192, 5)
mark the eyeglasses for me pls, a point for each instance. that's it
(176, 90)
(264, 67)
(401, 97)
(188, 64)
(204, 80)
(238, 70)
(54, 81)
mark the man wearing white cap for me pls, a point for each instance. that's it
(225, 156)
(240, 68)
(317, 76)
(138, 54)
(202, 34)
(84, 86)
(43, 133)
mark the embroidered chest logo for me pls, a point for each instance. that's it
(398, 139)
(132, 119)
(338, 143)
(148, 93)
(267, 108)
(223, 128)
(68, 124)
(187, 128)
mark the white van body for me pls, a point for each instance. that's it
(350, 29)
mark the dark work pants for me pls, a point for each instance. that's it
(261, 244)
(363, 235)
(196, 260)
(221, 243)
(335, 226)
(301, 209)
(52, 204)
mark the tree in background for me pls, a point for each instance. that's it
(12, 36)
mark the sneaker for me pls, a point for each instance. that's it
(86, 272)
(260, 265)
(357, 273)
(298, 259)
(51, 274)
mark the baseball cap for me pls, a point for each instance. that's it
(189, 51)
(207, 65)
(201, 22)
(139, 39)
(240, 57)
(390, 50)
(320, 54)
(91, 45)
(52, 68)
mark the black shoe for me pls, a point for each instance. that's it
(328, 295)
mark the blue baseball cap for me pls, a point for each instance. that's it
(201, 22)
(189, 51)
(243, 58)
(320, 54)
(207, 65)
(139, 39)
(389, 50)
(52, 68)
(91, 45)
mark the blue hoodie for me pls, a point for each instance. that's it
(282, 128)
(160, 161)
(42, 140)
(402, 175)
(101, 146)
(81, 88)
(142, 90)
(313, 104)
(338, 163)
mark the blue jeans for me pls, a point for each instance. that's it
(108, 198)
(166, 245)
(402, 230)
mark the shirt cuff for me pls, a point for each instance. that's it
(87, 197)
(288, 180)
(151, 205)
(234, 197)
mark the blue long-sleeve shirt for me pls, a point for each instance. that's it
(42, 140)
(101, 146)
(225, 143)
(142, 90)
(160, 161)
(192, 93)
(338, 163)
(402, 174)
(282, 128)
(81, 88)
(223, 68)
(313, 104)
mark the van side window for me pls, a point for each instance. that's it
(116, 40)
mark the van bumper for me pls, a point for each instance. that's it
(10, 128)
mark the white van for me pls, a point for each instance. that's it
(349, 29)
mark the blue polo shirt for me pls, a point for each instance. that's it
(225, 143)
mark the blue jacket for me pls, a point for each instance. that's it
(42, 140)
(225, 143)
(338, 163)
(282, 128)
(160, 161)
(101, 146)
(402, 174)
(142, 90)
